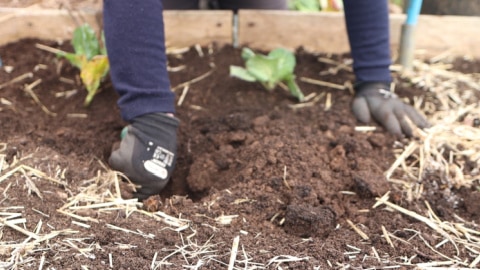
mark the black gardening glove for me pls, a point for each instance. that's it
(375, 100)
(147, 153)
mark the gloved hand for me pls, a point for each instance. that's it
(375, 100)
(147, 153)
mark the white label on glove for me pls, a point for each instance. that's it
(156, 168)
(163, 155)
(161, 159)
(387, 94)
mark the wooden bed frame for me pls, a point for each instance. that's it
(258, 29)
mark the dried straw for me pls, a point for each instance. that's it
(323, 83)
(233, 252)
(194, 80)
(357, 230)
(17, 79)
(450, 148)
(455, 234)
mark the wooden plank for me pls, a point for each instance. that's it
(439, 34)
(259, 29)
(183, 28)
(326, 32)
(459, 34)
(186, 28)
(18, 23)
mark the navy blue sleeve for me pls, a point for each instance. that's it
(135, 41)
(369, 36)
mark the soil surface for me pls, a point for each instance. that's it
(292, 183)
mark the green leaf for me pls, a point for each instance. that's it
(85, 41)
(242, 74)
(247, 53)
(92, 73)
(262, 68)
(294, 89)
(269, 70)
(89, 57)
(306, 5)
(103, 48)
(285, 63)
(74, 59)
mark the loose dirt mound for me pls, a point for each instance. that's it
(296, 183)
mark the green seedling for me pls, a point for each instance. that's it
(90, 58)
(269, 70)
(316, 5)
(304, 5)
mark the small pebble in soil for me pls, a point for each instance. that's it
(152, 203)
(476, 122)
(307, 221)
(370, 184)
(473, 207)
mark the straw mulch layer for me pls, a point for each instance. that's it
(261, 182)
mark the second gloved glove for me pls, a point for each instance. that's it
(147, 152)
(375, 100)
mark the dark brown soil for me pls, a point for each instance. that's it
(292, 178)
